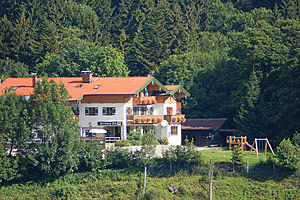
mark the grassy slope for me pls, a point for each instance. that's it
(121, 184)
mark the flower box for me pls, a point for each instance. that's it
(137, 120)
(148, 120)
(159, 119)
(149, 101)
(144, 102)
(154, 120)
(143, 120)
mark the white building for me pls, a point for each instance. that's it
(119, 104)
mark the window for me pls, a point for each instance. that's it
(169, 111)
(174, 130)
(129, 111)
(142, 110)
(109, 110)
(91, 111)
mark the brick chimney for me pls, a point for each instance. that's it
(34, 78)
(87, 76)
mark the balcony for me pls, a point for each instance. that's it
(144, 119)
(175, 118)
(145, 100)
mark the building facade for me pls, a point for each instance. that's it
(118, 104)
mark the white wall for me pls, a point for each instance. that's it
(158, 109)
(84, 120)
(166, 105)
(174, 139)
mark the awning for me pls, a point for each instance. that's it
(97, 131)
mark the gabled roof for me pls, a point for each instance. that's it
(204, 124)
(172, 89)
(77, 89)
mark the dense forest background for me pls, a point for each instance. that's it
(238, 58)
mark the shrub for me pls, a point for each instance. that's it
(149, 138)
(183, 157)
(123, 143)
(117, 158)
(91, 156)
(135, 137)
(289, 153)
(164, 141)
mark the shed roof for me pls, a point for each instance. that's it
(203, 124)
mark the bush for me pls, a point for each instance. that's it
(164, 141)
(91, 156)
(183, 157)
(289, 153)
(149, 138)
(123, 143)
(135, 137)
(117, 158)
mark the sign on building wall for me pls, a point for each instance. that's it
(115, 123)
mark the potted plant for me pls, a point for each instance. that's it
(159, 119)
(154, 101)
(149, 101)
(173, 119)
(143, 120)
(154, 120)
(148, 120)
(137, 120)
(178, 119)
(144, 102)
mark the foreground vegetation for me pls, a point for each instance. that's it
(238, 58)
(127, 183)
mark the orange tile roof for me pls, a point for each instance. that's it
(76, 89)
(172, 87)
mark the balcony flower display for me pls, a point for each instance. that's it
(178, 119)
(183, 119)
(143, 120)
(137, 120)
(154, 101)
(154, 120)
(148, 120)
(159, 119)
(144, 102)
(149, 101)
(173, 119)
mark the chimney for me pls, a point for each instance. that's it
(34, 78)
(87, 76)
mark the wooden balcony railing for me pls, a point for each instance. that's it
(146, 100)
(144, 119)
(175, 118)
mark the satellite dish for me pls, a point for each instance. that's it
(164, 123)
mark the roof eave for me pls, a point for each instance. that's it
(148, 82)
(182, 89)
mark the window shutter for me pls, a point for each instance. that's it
(104, 111)
(113, 110)
(96, 111)
(86, 111)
